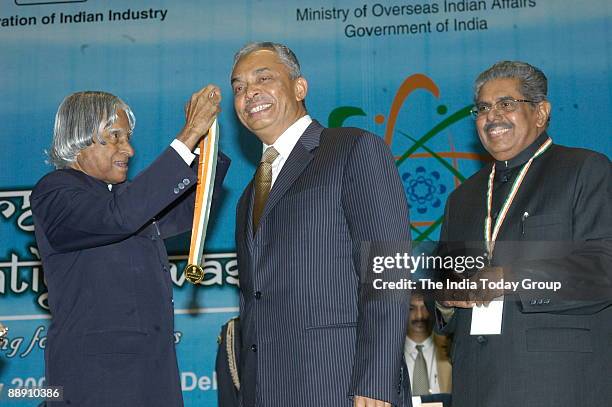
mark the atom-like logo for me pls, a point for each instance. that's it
(423, 189)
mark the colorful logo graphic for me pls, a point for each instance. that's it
(425, 188)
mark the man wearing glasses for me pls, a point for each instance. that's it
(542, 213)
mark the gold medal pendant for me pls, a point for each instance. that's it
(194, 274)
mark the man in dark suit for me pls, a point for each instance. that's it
(314, 330)
(426, 354)
(111, 340)
(546, 213)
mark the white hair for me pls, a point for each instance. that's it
(79, 119)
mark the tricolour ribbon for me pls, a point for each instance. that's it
(194, 272)
(490, 230)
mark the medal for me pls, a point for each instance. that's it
(194, 274)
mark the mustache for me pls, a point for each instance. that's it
(256, 100)
(419, 321)
(491, 125)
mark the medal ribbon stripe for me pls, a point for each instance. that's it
(490, 238)
(488, 220)
(204, 190)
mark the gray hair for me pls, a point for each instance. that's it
(533, 83)
(81, 117)
(286, 56)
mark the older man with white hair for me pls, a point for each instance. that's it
(111, 340)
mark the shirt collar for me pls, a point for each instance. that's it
(427, 343)
(285, 143)
(524, 156)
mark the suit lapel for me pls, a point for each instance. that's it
(296, 163)
(245, 216)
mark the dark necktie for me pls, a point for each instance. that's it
(263, 184)
(420, 378)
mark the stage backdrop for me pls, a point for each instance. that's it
(401, 69)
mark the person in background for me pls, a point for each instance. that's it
(426, 354)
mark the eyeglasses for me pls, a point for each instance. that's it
(504, 106)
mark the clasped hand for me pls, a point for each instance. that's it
(368, 402)
(200, 112)
(478, 296)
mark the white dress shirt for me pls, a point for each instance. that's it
(429, 353)
(184, 151)
(285, 143)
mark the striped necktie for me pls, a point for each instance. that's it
(263, 184)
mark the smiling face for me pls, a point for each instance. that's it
(266, 99)
(505, 134)
(108, 162)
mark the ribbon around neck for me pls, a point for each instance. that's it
(209, 146)
(490, 234)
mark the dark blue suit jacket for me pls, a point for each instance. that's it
(313, 331)
(111, 340)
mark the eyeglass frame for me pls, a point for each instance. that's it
(476, 114)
